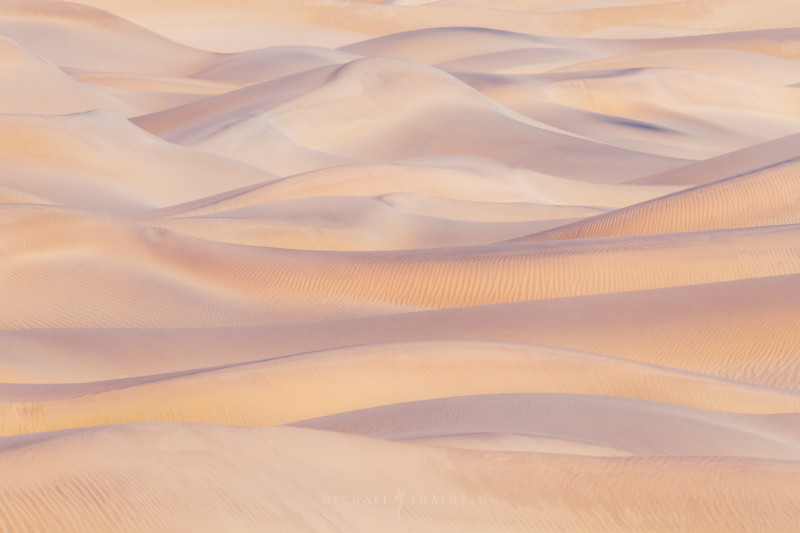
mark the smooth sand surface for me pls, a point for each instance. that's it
(403, 265)
(234, 478)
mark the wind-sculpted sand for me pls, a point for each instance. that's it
(399, 266)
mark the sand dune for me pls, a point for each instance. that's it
(741, 330)
(98, 40)
(484, 211)
(561, 18)
(52, 157)
(208, 473)
(11, 196)
(517, 61)
(270, 63)
(661, 132)
(587, 104)
(461, 179)
(595, 92)
(30, 84)
(428, 46)
(639, 428)
(194, 121)
(369, 224)
(742, 64)
(728, 165)
(316, 109)
(722, 204)
(402, 265)
(452, 110)
(777, 41)
(145, 93)
(254, 393)
(49, 250)
(714, 119)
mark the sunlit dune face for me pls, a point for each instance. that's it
(402, 265)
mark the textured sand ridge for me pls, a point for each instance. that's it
(403, 265)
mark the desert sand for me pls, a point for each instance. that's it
(510, 265)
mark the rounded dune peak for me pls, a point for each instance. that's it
(270, 63)
(29, 83)
(384, 109)
(390, 88)
(447, 43)
(98, 40)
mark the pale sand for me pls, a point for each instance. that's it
(256, 393)
(513, 265)
(718, 205)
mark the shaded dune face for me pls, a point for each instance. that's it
(399, 266)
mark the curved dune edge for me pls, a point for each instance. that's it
(56, 158)
(253, 285)
(208, 473)
(344, 224)
(741, 64)
(719, 205)
(497, 184)
(736, 163)
(488, 211)
(31, 84)
(297, 387)
(596, 92)
(513, 442)
(741, 330)
(265, 64)
(599, 422)
(647, 110)
(132, 47)
(12, 196)
(400, 103)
